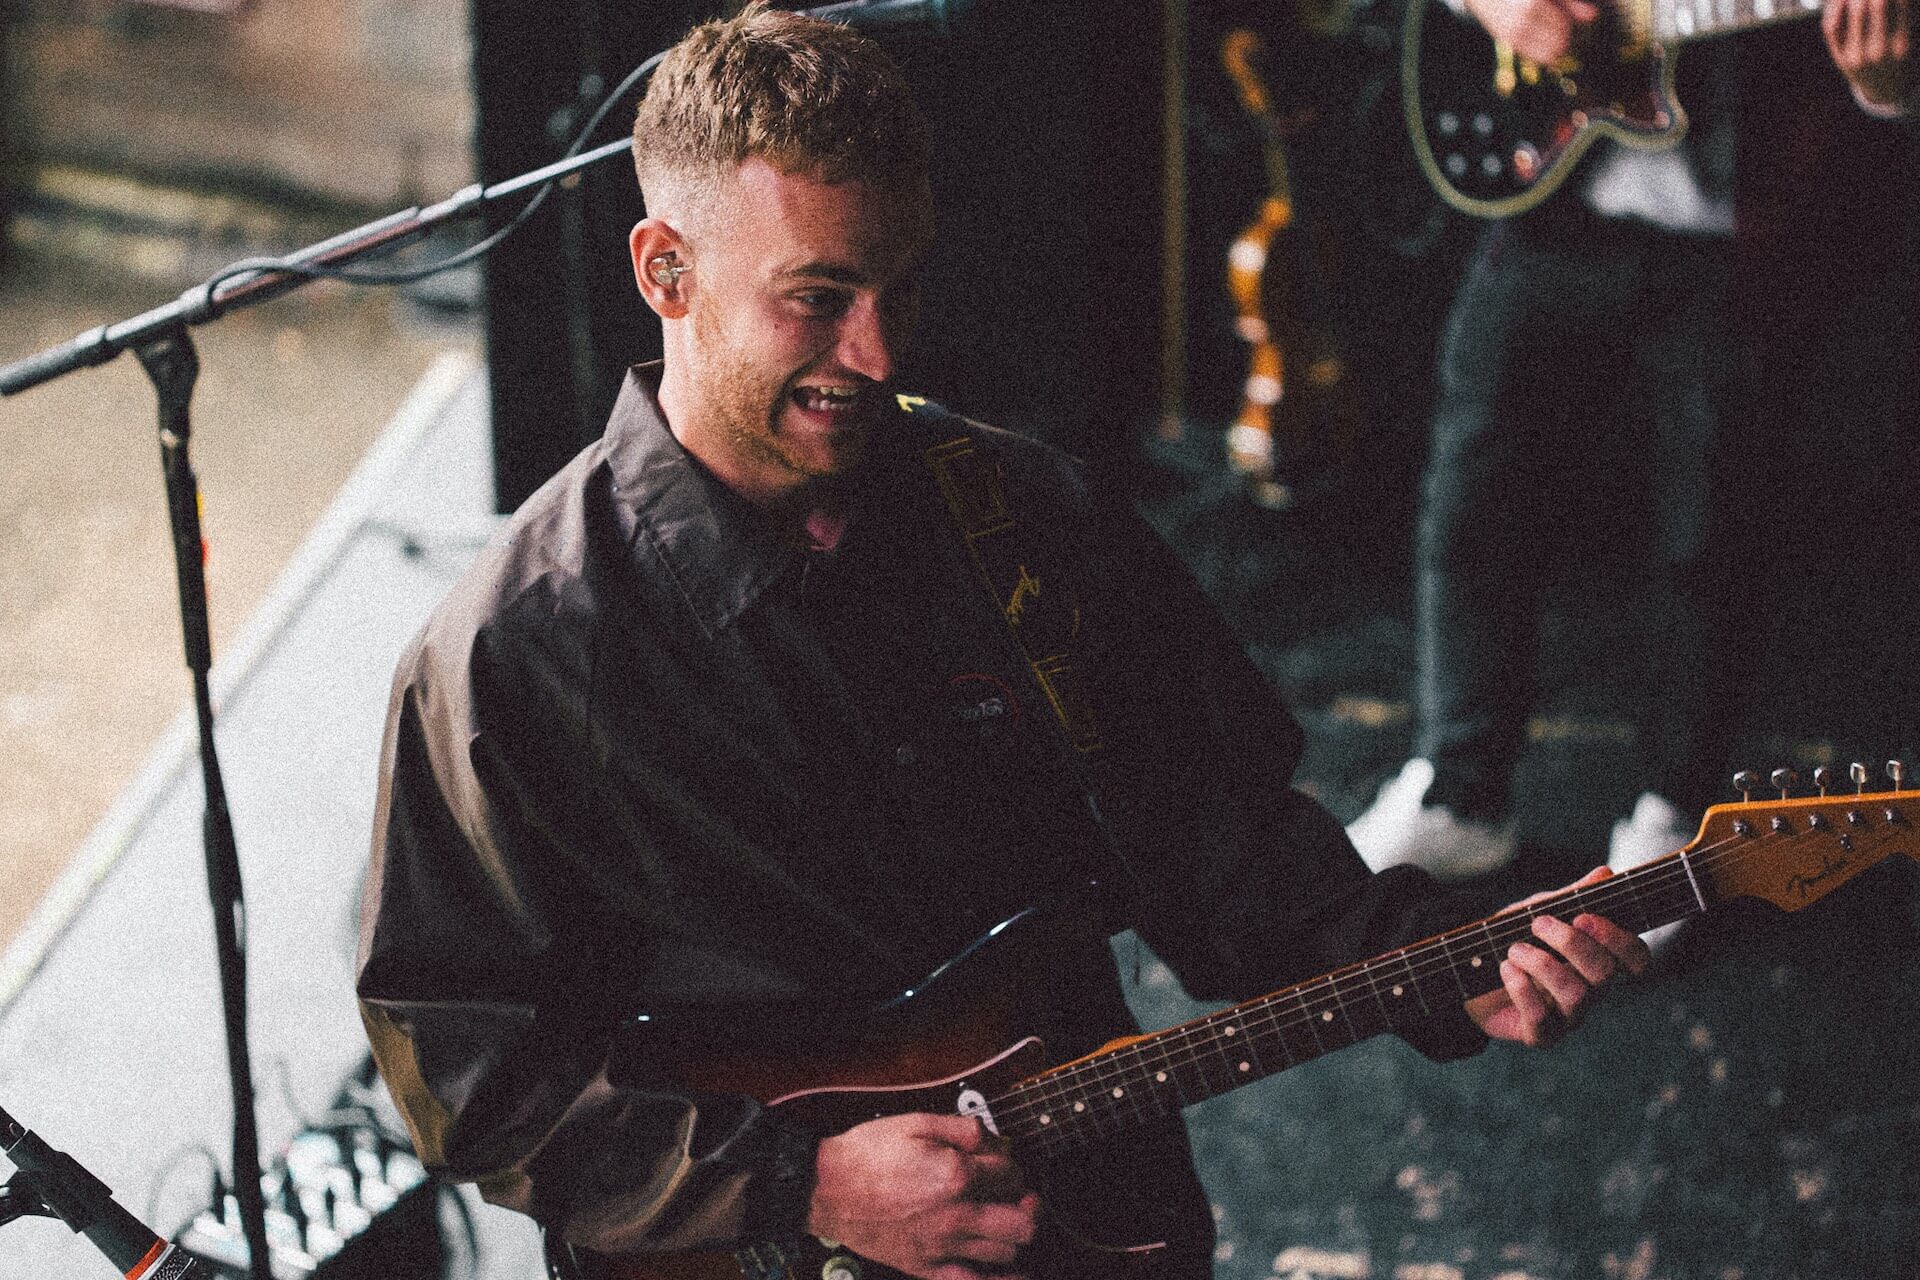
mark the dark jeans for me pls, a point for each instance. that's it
(1585, 375)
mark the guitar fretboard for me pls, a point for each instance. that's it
(1159, 1074)
(1676, 20)
(1789, 852)
(1162, 1073)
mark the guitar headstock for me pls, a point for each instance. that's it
(1793, 851)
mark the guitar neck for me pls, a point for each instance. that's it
(1157, 1075)
(1789, 852)
(1672, 21)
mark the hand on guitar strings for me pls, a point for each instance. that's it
(1872, 44)
(1541, 31)
(933, 1196)
(1545, 990)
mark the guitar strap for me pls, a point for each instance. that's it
(1039, 607)
(1034, 597)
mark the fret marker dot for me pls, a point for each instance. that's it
(1246, 1066)
(1476, 962)
(1045, 1118)
(1327, 1016)
(1161, 1076)
(1079, 1106)
(1229, 1031)
(1398, 992)
(1119, 1093)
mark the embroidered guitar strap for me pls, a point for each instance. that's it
(1040, 608)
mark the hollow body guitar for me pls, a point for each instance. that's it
(1496, 134)
(954, 1044)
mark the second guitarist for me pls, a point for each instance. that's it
(1597, 380)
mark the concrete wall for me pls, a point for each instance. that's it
(360, 102)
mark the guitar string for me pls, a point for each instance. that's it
(1194, 1043)
(1123, 1064)
(1198, 1042)
(1201, 1042)
(1252, 1019)
(1198, 1046)
(1658, 881)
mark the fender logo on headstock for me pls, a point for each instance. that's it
(1804, 885)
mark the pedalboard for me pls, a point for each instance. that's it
(344, 1202)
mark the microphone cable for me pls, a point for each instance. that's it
(889, 12)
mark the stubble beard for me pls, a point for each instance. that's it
(748, 406)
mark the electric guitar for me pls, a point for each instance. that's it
(954, 1044)
(1496, 134)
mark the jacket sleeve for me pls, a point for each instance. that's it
(1244, 883)
(491, 984)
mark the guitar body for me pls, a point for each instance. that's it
(945, 1047)
(1496, 137)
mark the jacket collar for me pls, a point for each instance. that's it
(721, 552)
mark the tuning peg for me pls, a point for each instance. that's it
(1858, 772)
(1898, 772)
(1785, 780)
(1823, 778)
(1746, 782)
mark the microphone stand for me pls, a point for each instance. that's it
(174, 366)
(160, 340)
(18, 1199)
(52, 1184)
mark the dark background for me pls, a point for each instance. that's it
(1749, 1111)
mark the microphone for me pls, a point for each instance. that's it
(84, 1203)
(896, 15)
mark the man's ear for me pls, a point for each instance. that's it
(661, 262)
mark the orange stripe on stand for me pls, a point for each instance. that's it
(153, 1255)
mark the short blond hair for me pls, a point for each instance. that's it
(806, 95)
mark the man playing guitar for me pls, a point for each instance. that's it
(786, 690)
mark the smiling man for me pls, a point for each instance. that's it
(786, 691)
(784, 296)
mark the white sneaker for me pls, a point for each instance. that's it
(1654, 829)
(1397, 828)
